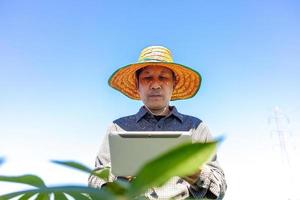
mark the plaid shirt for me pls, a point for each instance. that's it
(211, 183)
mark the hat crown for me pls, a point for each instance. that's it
(155, 54)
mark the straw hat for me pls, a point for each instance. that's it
(188, 81)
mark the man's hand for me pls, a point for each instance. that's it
(127, 178)
(192, 179)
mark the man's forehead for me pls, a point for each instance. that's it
(157, 68)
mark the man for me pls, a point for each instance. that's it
(156, 80)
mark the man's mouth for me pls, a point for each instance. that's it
(155, 95)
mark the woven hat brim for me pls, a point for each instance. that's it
(188, 81)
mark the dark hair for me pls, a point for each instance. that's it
(137, 74)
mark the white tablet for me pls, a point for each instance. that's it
(129, 151)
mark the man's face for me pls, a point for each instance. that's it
(155, 86)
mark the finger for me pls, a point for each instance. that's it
(189, 180)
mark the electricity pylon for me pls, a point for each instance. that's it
(280, 129)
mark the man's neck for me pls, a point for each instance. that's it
(159, 112)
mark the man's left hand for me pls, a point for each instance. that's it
(192, 179)
(127, 178)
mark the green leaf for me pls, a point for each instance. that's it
(74, 165)
(78, 196)
(95, 194)
(27, 196)
(117, 187)
(29, 179)
(60, 196)
(180, 161)
(102, 173)
(43, 196)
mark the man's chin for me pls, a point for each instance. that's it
(156, 107)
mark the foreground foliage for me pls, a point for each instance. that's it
(180, 161)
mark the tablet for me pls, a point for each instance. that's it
(129, 151)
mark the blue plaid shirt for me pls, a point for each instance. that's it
(211, 182)
(145, 121)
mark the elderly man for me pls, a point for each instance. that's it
(156, 80)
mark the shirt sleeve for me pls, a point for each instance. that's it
(102, 161)
(211, 183)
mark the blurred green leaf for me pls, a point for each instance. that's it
(92, 192)
(31, 180)
(74, 165)
(180, 161)
(102, 173)
(60, 196)
(43, 196)
(27, 196)
(117, 187)
(78, 196)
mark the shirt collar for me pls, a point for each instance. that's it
(143, 111)
(176, 113)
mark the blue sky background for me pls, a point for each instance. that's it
(56, 58)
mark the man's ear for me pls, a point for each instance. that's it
(136, 83)
(174, 82)
(137, 86)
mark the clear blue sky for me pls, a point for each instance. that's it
(56, 58)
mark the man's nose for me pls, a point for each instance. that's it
(156, 85)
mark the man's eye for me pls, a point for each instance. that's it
(147, 78)
(163, 78)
